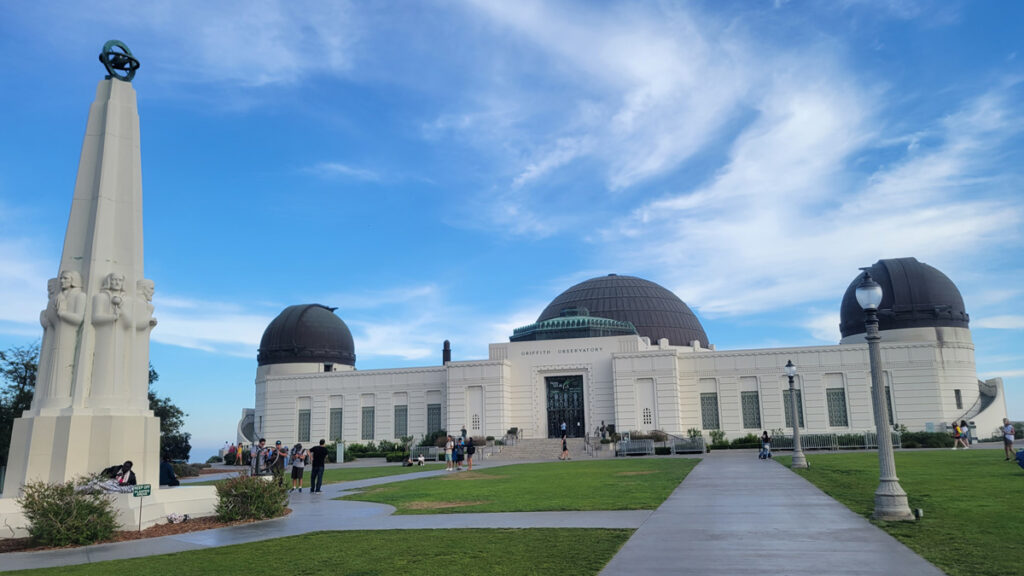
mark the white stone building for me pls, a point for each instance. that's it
(625, 351)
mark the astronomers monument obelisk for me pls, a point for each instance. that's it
(91, 408)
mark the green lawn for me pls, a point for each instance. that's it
(335, 475)
(368, 552)
(620, 484)
(973, 504)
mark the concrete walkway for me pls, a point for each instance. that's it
(732, 515)
(735, 514)
(312, 512)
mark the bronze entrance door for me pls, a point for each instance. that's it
(565, 404)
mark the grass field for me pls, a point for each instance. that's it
(390, 552)
(620, 484)
(973, 504)
(335, 475)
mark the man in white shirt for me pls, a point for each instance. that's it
(1008, 433)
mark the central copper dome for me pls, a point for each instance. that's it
(654, 310)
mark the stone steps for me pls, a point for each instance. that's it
(541, 449)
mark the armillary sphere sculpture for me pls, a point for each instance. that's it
(119, 64)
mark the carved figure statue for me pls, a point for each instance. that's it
(144, 323)
(109, 319)
(65, 313)
(48, 320)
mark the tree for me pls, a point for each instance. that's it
(174, 442)
(18, 367)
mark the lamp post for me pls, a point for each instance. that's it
(890, 499)
(799, 461)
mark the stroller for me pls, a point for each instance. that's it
(766, 451)
(1020, 458)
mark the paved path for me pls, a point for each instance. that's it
(735, 514)
(732, 515)
(311, 512)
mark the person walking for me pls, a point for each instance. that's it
(965, 433)
(448, 447)
(319, 460)
(277, 460)
(470, 450)
(298, 460)
(766, 446)
(565, 448)
(957, 437)
(1008, 433)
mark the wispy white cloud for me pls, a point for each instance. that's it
(337, 169)
(788, 219)
(259, 43)
(824, 327)
(1007, 322)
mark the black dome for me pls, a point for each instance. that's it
(917, 295)
(654, 311)
(307, 333)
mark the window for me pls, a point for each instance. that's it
(335, 423)
(751, 410)
(787, 407)
(401, 420)
(367, 422)
(433, 418)
(836, 398)
(959, 400)
(476, 422)
(304, 425)
(709, 410)
(648, 416)
(328, 367)
(261, 424)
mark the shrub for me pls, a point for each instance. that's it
(514, 431)
(718, 437)
(229, 458)
(606, 440)
(662, 450)
(748, 441)
(490, 438)
(396, 456)
(432, 438)
(693, 433)
(59, 516)
(499, 442)
(182, 470)
(214, 460)
(388, 446)
(926, 440)
(250, 498)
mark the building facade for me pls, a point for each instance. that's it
(622, 350)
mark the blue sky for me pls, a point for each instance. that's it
(442, 170)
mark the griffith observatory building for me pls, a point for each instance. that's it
(625, 351)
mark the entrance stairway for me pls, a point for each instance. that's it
(541, 449)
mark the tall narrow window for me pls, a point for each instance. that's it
(433, 418)
(709, 410)
(751, 410)
(367, 422)
(959, 400)
(336, 424)
(304, 425)
(836, 398)
(787, 407)
(401, 421)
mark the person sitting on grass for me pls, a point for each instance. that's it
(420, 460)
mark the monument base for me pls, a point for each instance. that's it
(196, 501)
(65, 447)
